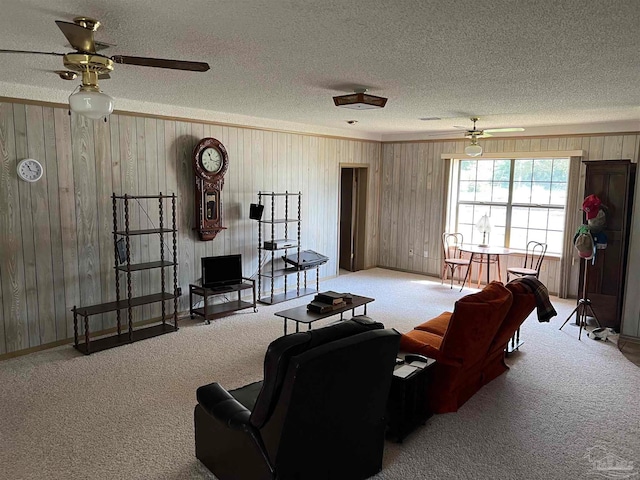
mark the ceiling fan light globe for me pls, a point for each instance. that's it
(91, 104)
(473, 150)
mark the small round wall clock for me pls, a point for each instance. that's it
(30, 170)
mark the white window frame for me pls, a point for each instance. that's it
(454, 184)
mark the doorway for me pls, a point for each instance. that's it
(353, 208)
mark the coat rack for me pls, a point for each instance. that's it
(584, 304)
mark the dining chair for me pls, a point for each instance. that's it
(533, 258)
(453, 259)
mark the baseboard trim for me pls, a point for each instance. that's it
(66, 341)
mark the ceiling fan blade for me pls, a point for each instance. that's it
(103, 45)
(161, 63)
(79, 37)
(104, 76)
(36, 53)
(460, 127)
(512, 129)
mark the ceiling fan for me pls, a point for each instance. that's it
(474, 150)
(89, 100)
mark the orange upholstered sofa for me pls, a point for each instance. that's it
(468, 343)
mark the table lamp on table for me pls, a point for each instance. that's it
(484, 227)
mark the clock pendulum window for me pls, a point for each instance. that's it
(210, 163)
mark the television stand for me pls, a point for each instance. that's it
(210, 311)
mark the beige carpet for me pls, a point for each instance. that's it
(126, 413)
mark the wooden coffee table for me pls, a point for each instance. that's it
(302, 315)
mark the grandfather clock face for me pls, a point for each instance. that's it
(210, 163)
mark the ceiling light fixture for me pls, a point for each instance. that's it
(89, 100)
(474, 149)
(359, 100)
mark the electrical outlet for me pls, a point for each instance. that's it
(411, 252)
(426, 254)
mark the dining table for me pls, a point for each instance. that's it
(486, 251)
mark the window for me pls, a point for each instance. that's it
(524, 198)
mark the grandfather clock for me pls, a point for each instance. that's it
(210, 163)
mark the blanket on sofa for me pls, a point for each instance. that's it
(544, 307)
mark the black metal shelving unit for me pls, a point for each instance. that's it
(268, 249)
(128, 301)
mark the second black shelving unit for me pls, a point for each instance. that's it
(268, 248)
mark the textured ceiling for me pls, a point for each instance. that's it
(527, 63)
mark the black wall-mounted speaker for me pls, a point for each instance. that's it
(255, 211)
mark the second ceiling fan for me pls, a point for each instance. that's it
(474, 149)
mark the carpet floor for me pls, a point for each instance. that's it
(567, 409)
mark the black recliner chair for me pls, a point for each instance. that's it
(318, 413)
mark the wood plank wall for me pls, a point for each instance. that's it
(413, 202)
(56, 244)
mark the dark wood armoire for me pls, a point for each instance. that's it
(613, 181)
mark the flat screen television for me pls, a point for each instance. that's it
(221, 270)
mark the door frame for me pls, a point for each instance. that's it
(361, 241)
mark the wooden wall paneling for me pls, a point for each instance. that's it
(385, 204)
(596, 148)
(84, 177)
(316, 184)
(28, 229)
(553, 143)
(41, 229)
(509, 145)
(413, 254)
(629, 147)
(331, 197)
(129, 183)
(395, 207)
(232, 186)
(523, 145)
(404, 207)
(200, 247)
(104, 220)
(55, 225)
(187, 273)
(304, 172)
(15, 329)
(372, 157)
(612, 147)
(438, 206)
(421, 207)
(116, 187)
(171, 180)
(311, 177)
(328, 174)
(161, 166)
(142, 206)
(152, 187)
(535, 145)
(256, 168)
(426, 167)
(246, 194)
(68, 226)
(562, 144)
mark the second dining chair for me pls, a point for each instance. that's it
(453, 256)
(532, 261)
